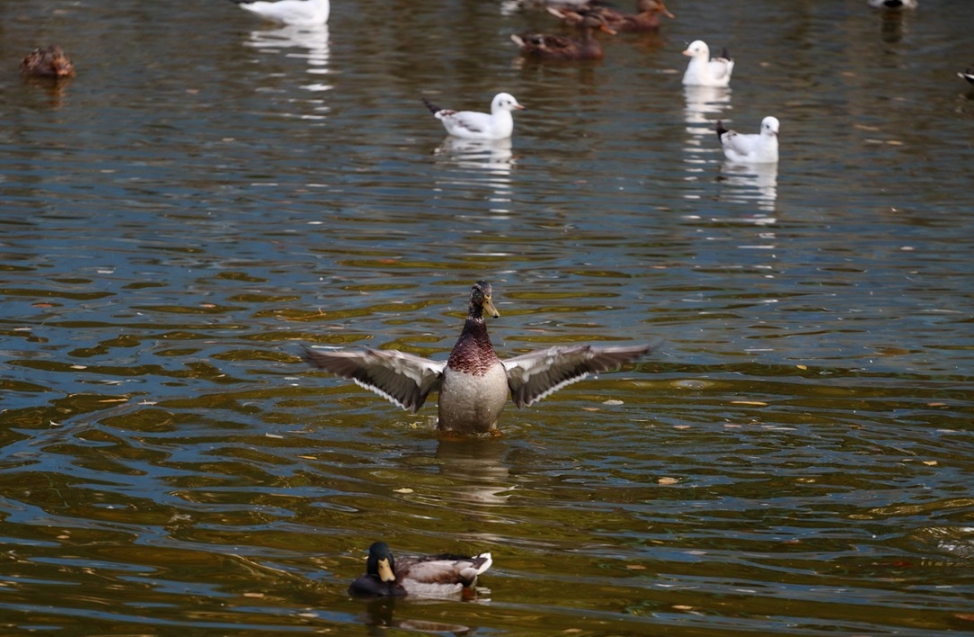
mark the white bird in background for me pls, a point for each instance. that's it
(895, 5)
(499, 124)
(296, 12)
(751, 149)
(702, 71)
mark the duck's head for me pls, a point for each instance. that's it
(480, 301)
(595, 21)
(381, 563)
(653, 6)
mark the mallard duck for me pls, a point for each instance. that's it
(894, 5)
(499, 124)
(296, 12)
(421, 576)
(702, 71)
(563, 47)
(647, 17)
(473, 383)
(760, 148)
(47, 62)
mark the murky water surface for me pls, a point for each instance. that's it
(210, 192)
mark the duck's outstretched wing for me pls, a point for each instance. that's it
(534, 375)
(402, 378)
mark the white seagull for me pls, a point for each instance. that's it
(296, 12)
(702, 71)
(499, 124)
(751, 149)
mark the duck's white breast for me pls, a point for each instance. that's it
(472, 403)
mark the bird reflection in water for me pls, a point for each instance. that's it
(311, 43)
(751, 184)
(704, 106)
(380, 615)
(482, 161)
(478, 469)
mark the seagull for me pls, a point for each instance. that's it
(751, 149)
(474, 383)
(895, 5)
(702, 71)
(296, 12)
(471, 125)
(968, 75)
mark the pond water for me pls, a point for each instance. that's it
(210, 192)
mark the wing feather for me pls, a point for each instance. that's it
(401, 378)
(535, 375)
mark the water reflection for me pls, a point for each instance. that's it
(750, 183)
(380, 616)
(487, 161)
(54, 88)
(704, 106)
(313, 39)
(479, 469)
(892, 26)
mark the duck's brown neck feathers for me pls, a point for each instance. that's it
(473, 353)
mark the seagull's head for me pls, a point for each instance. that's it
(769, 126)
(698, 49)
(505, 102)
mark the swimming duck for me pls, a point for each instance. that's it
(473, 384)
(761, 148)
(296, 12)
(421, 576)
(968, 75)
(563, 47)
(499, 124)
(47, 62)
(647, 17)
(702, 71)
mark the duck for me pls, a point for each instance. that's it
(443, 575)
(473, 383)
(293, 12)
(498, 124)
(893, 5)
(760, 148)
(563, 47)
(49, 62)
(702, 71)
(646, 18)
(967, 74)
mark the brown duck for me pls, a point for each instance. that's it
(563, 47)
(647, 17)
(49, 62)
